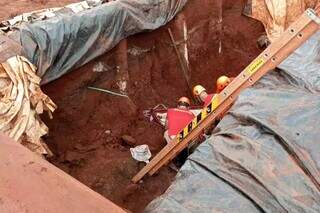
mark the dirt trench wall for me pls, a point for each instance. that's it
(80, 131)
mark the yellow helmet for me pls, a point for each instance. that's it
(184, 100)
(197, 90)
(222, 82)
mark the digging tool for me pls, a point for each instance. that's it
(301, 30)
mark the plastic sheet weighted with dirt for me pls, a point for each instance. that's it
(65, 42)
(264, 155)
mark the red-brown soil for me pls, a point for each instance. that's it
(78, 132)
(11, 8)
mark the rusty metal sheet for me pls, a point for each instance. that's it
(31, 184)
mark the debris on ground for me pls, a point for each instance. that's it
(108, 132)
(73, 157)
(141, 153)
(137, 51)
(129, 140)
(87, 148)
(101, 67)
(131, 189)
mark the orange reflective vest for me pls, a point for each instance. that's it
(178, 119)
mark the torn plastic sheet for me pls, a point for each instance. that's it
(141, 153)
(21, 102)
(277, 15)
(65, 42)
(264, 156)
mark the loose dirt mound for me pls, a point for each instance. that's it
(86, 131)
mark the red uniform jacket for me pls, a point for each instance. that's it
(177, 119)
(208, 99)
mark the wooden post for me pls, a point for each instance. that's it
(122, 66)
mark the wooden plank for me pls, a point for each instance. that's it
(296, 34)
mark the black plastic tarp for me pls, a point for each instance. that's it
(264, 156)
(65, 42)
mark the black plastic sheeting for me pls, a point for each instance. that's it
(65, 42)
(265, 154)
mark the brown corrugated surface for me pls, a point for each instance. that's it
(31, 184)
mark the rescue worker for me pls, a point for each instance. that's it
(201, 94)
(223, 82)
(178, 118)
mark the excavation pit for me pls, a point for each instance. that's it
(86, 132)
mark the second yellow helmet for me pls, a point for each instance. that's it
(197, 90)
(222, 82)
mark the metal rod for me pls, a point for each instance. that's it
(181, 62)
(108, 91)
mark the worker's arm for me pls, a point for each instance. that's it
(166, 123)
